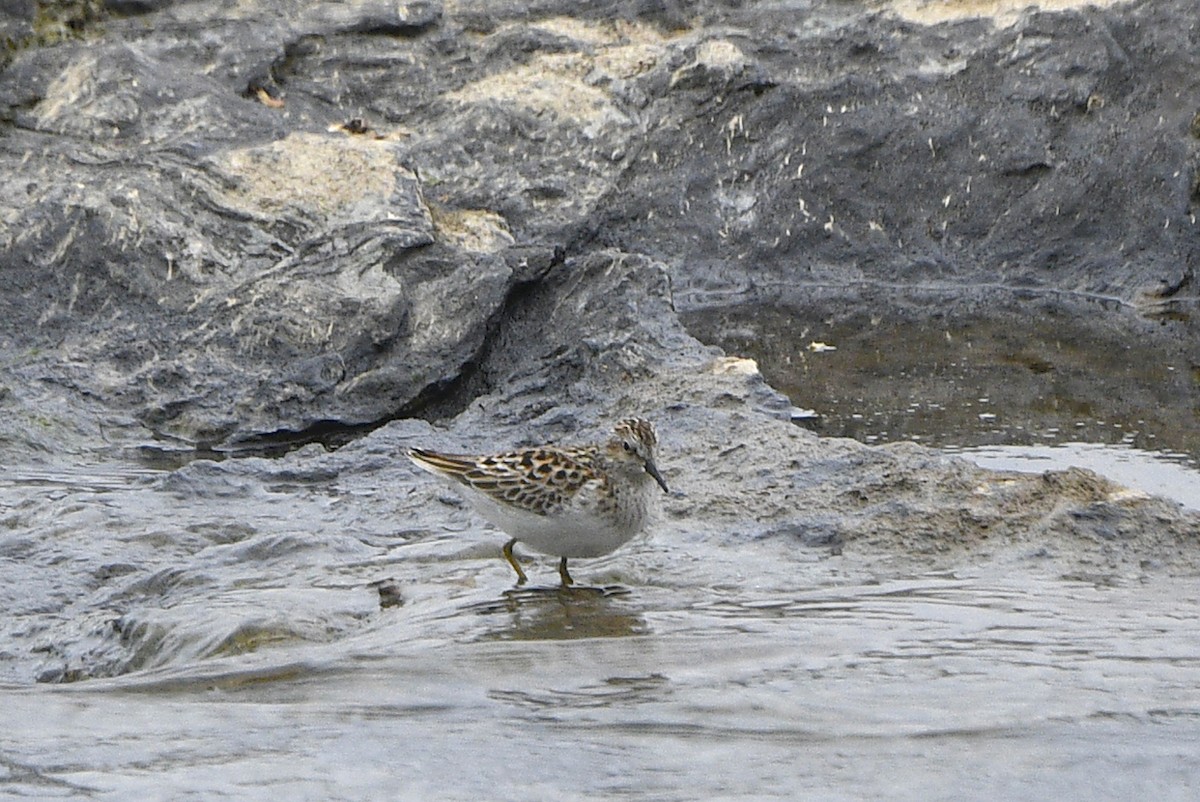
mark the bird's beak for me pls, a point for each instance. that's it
(653, 471)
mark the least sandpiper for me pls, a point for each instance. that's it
(577, 501)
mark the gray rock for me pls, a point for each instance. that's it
(196, 244)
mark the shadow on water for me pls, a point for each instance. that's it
(547, 614)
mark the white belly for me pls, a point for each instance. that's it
(575, 533)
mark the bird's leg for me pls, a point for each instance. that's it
(563, 573)
(508, 555)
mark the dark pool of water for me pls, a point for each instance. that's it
(1027, 394)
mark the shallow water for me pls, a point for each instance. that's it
(1161, 473)
(935, 687)
(747, 670)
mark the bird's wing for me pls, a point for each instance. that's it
(539, 480)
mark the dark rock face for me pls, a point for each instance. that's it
(199, 246)
(227, 290)
(897, 155)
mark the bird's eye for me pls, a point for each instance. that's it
(627, 446)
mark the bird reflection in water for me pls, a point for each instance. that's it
(563, 614)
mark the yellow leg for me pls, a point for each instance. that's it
(562, 572)
(508, 555)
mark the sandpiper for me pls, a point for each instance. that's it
(577, 501)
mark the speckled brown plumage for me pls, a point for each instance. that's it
(540, 480)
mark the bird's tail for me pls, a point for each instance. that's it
(452, 465)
